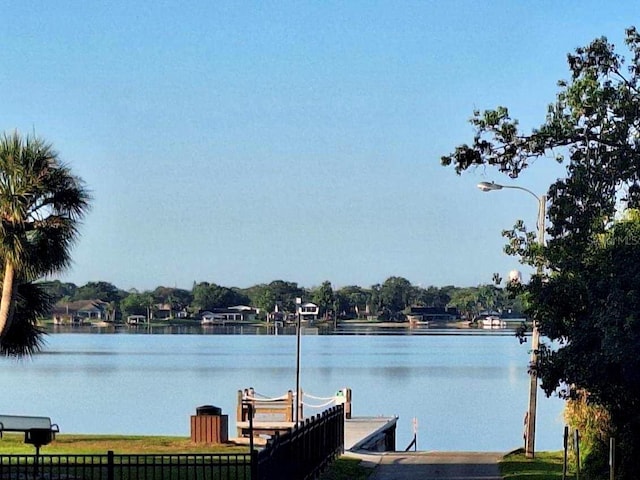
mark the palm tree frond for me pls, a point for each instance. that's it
(41, 205)
(24, 337)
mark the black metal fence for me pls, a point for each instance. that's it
(304, 451)
(299, 454)
(127, 467)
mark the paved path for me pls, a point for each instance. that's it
(437, 465)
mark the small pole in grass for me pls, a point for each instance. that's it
(565, 443)
(612, 458)
(415, 433)
(576, 440)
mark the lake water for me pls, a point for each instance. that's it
(468, 392)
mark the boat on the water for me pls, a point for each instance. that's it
(493, 321)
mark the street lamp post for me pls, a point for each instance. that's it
(530, 419)
(298, 399)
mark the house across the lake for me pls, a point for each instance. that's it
(162, 311)
(308, 312)
(223, 316)
(430, 314)
(79, 312)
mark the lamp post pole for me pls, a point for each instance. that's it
(298, 399)
(530, 418)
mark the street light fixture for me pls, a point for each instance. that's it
(530, 419)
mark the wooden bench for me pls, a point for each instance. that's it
(270, 416)
(38, 431)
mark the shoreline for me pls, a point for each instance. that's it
(325, 326)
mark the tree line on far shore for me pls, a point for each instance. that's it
(386, 301)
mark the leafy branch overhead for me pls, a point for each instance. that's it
(593, 126)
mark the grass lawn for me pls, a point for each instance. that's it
(546, 466)
(159, 458)
(345, 468)
(100, 444)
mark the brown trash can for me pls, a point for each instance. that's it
(208, 425)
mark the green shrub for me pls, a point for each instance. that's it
(594, 426)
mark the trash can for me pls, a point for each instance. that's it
(208, 425)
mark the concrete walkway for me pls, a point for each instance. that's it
(434, 465)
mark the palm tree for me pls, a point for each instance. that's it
(41, 204)
(24, 336)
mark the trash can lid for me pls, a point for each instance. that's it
(208, 410)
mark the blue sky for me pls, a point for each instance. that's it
(244, 142)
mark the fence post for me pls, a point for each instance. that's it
(565, 445)
(576, 439)
(612, 458)
(250, 413)
(341, 426)
(254, 464)
(110, 465)
(36, 460)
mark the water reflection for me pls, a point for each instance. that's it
(468, 391)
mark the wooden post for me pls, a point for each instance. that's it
(240, 407)
(347, 405)
(300, 405)
(290, 407)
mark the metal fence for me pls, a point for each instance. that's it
(299, 454)
(303, 452)
(127, 467)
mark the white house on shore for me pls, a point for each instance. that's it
(308, 312)
(221, 316)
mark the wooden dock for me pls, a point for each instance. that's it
(276, 415)
(369, 434)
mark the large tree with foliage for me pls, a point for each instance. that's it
(350, 299)
(104, 291)
(207, 296)
(41, 204)
(59, 290)
(137, 304)
(282, 292)
(175, 298)
(587, 295)
(324, 297)
(396, 294)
